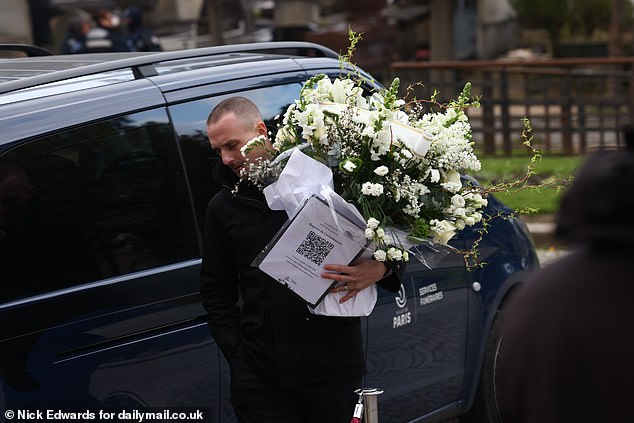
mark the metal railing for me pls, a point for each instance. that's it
(574, 105)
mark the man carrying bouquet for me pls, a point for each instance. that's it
(287, 364)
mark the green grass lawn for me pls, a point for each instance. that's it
(538, 194)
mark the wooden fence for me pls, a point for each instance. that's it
(574, 105)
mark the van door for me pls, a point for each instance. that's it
(416, 339)
(99, 297)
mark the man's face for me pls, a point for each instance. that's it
(228, 135)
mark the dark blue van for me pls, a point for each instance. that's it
(104, 178)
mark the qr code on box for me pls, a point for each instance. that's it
(315, 248)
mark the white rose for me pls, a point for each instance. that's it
(377, 189)
(381, 170)
(366, 188)
(349, 166)
(373, 223)
(380, 255)
(380, 233)
(369, 233)
(458, 201)
(460, 211)
(394, 254)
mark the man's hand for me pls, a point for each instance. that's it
(355, 278)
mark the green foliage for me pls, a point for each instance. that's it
(548, 14)
(560, 17)
(543, 189)
(354, 38)
(391, 94)
(588, 15)
(420, 229)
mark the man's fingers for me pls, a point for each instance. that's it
(346, 297)
(337, 268)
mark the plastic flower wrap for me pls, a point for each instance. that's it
(399, 165)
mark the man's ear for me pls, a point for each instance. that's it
(261, 128)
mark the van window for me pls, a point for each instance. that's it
(190, 121)
(93, 202)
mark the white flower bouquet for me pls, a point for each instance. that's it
(397, 163)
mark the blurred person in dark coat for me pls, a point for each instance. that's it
(140, 37)
(565, 356)
(75, 39)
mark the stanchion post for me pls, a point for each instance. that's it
(368, 397)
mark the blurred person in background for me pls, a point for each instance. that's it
(565, 356)
(75, 39)
(139, 37)
(104, 36)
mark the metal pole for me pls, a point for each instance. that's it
(367, 405)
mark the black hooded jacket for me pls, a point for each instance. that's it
(252, 315)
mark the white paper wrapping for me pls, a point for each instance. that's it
(301, 178)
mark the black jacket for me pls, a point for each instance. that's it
(252, 315)
(565, 354)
